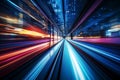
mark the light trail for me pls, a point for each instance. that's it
(12, 45)
(77, 69)
(32, 75)
(21, 31)
(40, 10)
(106, 58)
(99, 40)
(20, 9)
(12, 57)
(81, 69)
(108, 54)
(12, 20)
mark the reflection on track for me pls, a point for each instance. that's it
(73, 66)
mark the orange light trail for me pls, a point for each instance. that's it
(17, 58)
(24, 32)
(11, 54)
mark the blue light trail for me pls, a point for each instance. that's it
(32, 75)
